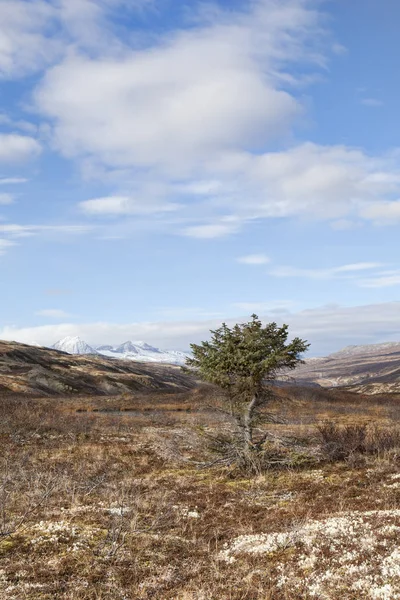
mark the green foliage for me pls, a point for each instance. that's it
(245, 358)
(243, 361)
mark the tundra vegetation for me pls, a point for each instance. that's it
(114, 498)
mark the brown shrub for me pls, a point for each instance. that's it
(343, 442)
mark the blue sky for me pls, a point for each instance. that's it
(166, 166)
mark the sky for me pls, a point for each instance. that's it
(166, 166)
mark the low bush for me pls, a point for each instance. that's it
(346, 441)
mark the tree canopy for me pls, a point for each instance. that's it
(243, 361)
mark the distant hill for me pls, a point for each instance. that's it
(371, 369)
(137, 351)
(46, 372)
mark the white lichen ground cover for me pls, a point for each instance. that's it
(61, 533)
(112, 509)
(356, 553)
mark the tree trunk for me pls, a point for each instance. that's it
(248, 423)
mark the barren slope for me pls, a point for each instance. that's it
(40, 371)
(372, 369)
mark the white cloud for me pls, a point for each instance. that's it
(198, 110)
(5, 245)
(88, 23)
(325, 273)
(382, 279)
(17, 148)
(212, 230)
(36, 33)
(383, 213)
(363, 266)
(327, 328)
(14, 231)
(200, 188)
(319, 182)
(254, 259)
(20, 124)
(12, 180)
(24, 45)
(195, 93)
(6, 198)
(18, 231)
(124, 205)
(52, 313)
(183, 110)
(335, 183)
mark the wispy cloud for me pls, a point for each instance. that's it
(125, 205)
(13, 233)
(37, 34)
(12, 180)
(226, 226)
(328, 328)
(20, 231)
(6, 198)
(381, 279)
(324, 273)
(254, 259)
(5, 245)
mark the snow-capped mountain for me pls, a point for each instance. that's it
(137, 351)
(125, 348)
(142, 352)
(74, 345)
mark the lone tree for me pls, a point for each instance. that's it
(243, 361)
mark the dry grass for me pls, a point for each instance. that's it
(106, 505)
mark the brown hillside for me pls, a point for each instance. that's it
(44, 372)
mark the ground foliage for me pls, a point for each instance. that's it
(112, 504)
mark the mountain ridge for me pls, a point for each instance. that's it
(138, 351)
(371, 369)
